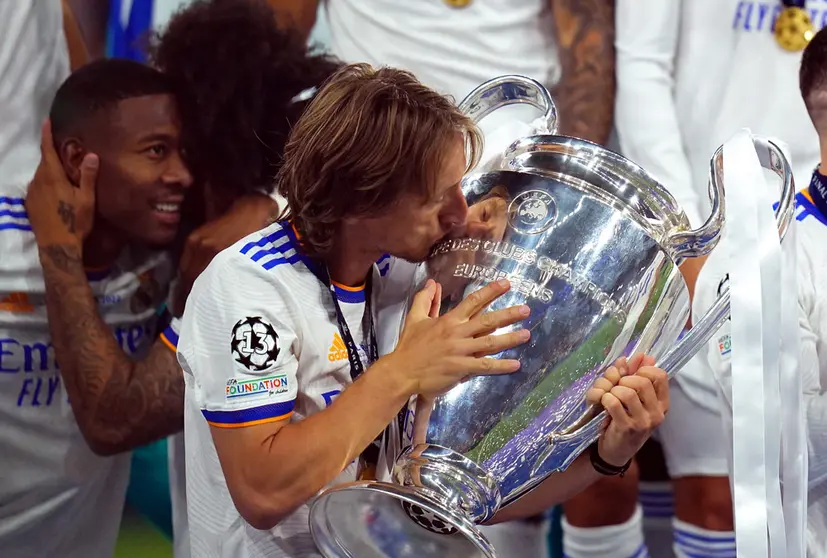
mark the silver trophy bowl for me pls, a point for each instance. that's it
(592, 244)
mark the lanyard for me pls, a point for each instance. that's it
(356, 366)
(371, 453)
(818, 191)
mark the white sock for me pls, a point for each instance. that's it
(613, 541)
(695, 542)
(658, 508)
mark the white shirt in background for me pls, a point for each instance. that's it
(690, 73)
(452, 50)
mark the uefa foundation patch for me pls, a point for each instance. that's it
(725, 345)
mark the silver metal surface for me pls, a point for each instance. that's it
(591, 243)
(356, 521)
(704, 328)
(510, 90)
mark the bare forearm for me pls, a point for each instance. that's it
(299, 14)
(118, 404)
(78, 53)
(309, 454)
(556, 489)
(586, 93)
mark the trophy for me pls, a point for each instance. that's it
(592, 244)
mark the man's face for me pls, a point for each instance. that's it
(413, 226)
(142, 177)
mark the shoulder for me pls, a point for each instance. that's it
(261, 272)
(266, 257)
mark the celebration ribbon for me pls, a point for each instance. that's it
(750, 255)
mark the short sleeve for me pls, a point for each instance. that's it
(237, 340)
(170, 323)
(169, 335)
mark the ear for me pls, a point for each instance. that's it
(71, 153)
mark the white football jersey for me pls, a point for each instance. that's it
(811, 263)
(450, 49)
(51, 482)
(690, 73)
(260, 342)
(34, 61)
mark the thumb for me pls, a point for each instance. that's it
(89, 173)
(423, 301)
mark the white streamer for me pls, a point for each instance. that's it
(746, 255)
(771, 345)
(793, 416)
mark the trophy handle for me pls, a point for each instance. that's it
(586, 430)
(510, 90)
(702, 330)
(701, 241)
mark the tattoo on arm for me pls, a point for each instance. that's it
(67, 215)
(64, 258)
(586, 92)
(118, 404)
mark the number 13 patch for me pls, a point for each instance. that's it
(254, 343)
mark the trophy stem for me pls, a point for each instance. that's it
(448, 479)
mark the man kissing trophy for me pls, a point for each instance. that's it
(592, 244)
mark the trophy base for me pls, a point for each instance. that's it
(372, 519)
(451, 478)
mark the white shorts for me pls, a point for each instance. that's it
(692, 434)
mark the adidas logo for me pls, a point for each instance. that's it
(16, 302)
(338, 351)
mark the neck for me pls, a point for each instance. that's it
(102, 247)
(822, 165)
(350, 261)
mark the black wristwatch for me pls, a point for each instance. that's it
(606, 468)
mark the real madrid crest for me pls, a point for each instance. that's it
(149, 293)
(794, 29)
(458, 3)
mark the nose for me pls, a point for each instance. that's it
(178, 172)
(456, 212)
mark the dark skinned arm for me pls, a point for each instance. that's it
(78, 53)
(118, 404)
(585, 96)
(121, 404)
(300, 14)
